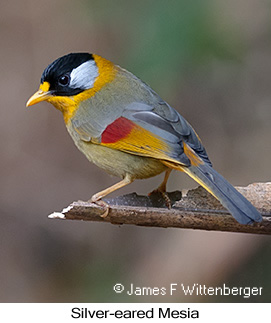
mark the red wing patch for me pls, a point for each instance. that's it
(117, 130)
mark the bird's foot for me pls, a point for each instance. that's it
(164, 195)
(96, 200)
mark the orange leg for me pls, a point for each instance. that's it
(96, 198)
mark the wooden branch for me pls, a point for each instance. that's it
(194, 209)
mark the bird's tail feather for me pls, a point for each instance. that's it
(241, 209)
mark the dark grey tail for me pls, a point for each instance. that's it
(241, 209)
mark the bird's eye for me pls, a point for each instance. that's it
(64, 80)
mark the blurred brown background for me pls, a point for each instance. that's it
(211, 60)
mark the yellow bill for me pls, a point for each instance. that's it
(41, 95)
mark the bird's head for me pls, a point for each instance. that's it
(70, 79)
(67, 76)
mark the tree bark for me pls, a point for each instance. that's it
(193, 209)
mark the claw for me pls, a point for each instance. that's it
(164, 195)
(167, 199)
(101, 203)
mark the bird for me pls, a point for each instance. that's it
(124, 127)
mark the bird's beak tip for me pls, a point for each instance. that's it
(37, 97)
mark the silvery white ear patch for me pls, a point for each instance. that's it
(84, 75)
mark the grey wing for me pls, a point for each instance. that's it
(167, 123)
